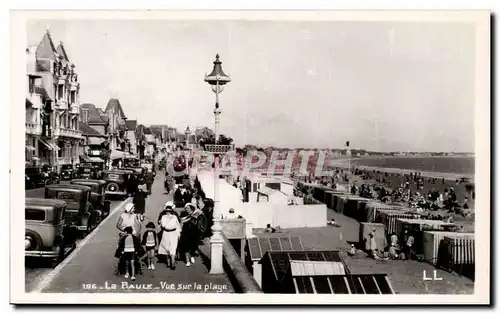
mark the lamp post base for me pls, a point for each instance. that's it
(216, 249)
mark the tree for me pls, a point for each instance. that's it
(210, 139)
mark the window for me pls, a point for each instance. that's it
(73, 97)
(31, 84)
(60, 92)
(85, 115)
(34, 214)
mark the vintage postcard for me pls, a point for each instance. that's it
(250, 157)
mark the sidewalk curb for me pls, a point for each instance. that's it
(51, 275)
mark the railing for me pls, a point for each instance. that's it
(62, 104)
(237, 269)
(75, 109)
(33, 128)
(67, 132)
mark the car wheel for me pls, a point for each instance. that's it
(32, 241)
(94, 221)
(60, 255)
(107, 208)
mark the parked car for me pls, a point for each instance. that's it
(136, 170)
(97, 195)
(46, 232)
(131, 162)
(34, 178)
(116, 183)
(80, 212)
(68, 172)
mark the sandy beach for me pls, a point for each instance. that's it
(344, 163)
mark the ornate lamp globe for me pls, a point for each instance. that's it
(217, 79)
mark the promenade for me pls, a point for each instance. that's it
(91, 268)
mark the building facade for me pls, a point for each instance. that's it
(52, 113)
(131, 136)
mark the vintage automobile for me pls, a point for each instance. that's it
(97, 196)
(46, 233)
(80, 212)
(136, 170)
(86, 171)
(131, 162)
(34, 178)
(67, 172)
(116, 182)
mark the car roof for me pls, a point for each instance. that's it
(69, 187)
(43, 202)
(115, 171)
(83, 181)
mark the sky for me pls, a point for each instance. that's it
(383, 86)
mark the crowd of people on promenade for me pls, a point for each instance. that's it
(177, 234)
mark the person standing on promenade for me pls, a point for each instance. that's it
(149, 180)
(150, 243)
(129, 219)
(129, 248)
(193, 228)
(131, 184)
(140, 198)
(169, 236)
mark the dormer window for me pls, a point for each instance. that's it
(85, 115)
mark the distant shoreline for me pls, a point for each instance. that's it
(343, 163)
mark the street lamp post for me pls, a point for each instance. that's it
(187, 133)
(217, 80)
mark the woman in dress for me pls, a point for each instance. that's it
(169, 235)
(129, 219)
(193, 228)
(140, 198)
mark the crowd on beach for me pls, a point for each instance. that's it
(412, 190)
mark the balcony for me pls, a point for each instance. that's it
(67, 133)
(62, 104)
(33, 128)
(74, 109)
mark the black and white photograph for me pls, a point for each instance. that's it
(235, 157)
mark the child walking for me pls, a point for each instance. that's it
(130, 247)
(150, 243)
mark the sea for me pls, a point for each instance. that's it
(444, 164)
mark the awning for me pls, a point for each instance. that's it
(29, 147)
(85, 158)
(95, 140)
(96, 159)
(116, 154)
(50, 146)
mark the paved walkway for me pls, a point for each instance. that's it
(91, 269)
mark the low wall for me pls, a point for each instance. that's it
(285, 216)
(241, 279)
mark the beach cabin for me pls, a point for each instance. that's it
(269, 195)
(434, 240)
(257, 247)
(416, 227)
(317, 272)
